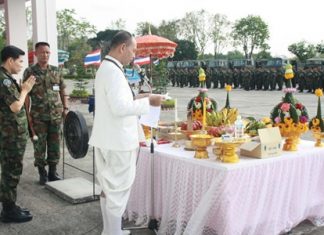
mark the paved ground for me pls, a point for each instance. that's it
(52, 215)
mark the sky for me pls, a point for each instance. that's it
(289, 21)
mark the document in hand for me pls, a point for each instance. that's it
(152, 118)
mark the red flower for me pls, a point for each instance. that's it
(299, 106)
(198, 99)
(209, 110)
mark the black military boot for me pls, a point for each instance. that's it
(12, 213)
(52, 174)
(42, 175)
(25, 210)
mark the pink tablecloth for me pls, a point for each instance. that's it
(254, 196)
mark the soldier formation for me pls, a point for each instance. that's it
(249, 78)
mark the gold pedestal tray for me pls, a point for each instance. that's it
(200, 142)
(175, 136)
(318, 136)
(291, 141)
(226, 151)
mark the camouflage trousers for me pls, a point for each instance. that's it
(11, 159)
(48, 139)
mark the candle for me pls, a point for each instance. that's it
(204, 114)
(175, 110)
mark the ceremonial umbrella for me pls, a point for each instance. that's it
(155, 47)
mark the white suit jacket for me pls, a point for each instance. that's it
(115, 124)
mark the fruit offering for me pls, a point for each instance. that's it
(224, 117)
(217, 131)
(254, 125)
(196, 125)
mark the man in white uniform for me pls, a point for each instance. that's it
(116, 129)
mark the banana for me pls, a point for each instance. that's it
(232, 115)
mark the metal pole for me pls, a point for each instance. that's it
(63, 144)
(93, 174)
(151, 72)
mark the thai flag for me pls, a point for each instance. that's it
(156, 62)
(93, 57)
(142, 60)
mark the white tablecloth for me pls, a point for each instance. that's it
(254, 196)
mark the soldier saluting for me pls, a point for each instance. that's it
(13, 132)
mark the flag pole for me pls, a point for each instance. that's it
(151, 72)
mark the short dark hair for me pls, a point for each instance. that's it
(11, 52)
(120, 38)
(39, 44)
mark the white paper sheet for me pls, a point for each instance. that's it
(152, 118)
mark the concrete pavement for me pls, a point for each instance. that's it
(52, 215)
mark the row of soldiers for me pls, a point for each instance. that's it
(249, 78)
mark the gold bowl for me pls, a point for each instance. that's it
(318, 136)
(188, 133)
(200, 142)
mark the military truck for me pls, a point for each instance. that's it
(241, 63)
(315, 62)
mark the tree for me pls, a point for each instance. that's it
(69, 28)
(169, 29)
(102, 40)
(251, 33)
(231, 55)
(2, 30)
(185, 50)
(302, 50)
(219, 33)
(320, 48)
(78, 48)
(144, 28)
(119, 24)
(194, 28)
(262, 55)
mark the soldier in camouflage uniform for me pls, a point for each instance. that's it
(215, 75)
(309, 79)
(246, 79)
(13, 133)
(208, 77)
(272, 78)
(301, 79)
(222, 77)
(235, 75)
(48, 103)
(280, 78)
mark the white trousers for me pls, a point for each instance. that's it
(116, 174)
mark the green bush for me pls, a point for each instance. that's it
(79, 93)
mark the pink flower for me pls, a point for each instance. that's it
(202, 89)
(285, 107)
(303, 119)
(289, 90)
(277, 119)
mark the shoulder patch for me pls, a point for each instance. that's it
(7, 82)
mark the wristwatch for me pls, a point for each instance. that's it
(65, 108)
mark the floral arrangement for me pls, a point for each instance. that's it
(290, 115)
(195, 105)
(228, 88)
(316, 124)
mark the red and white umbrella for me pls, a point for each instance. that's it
(155, 46)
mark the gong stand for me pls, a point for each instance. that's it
(75, 138)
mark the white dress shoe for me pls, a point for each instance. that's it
(126, 232)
